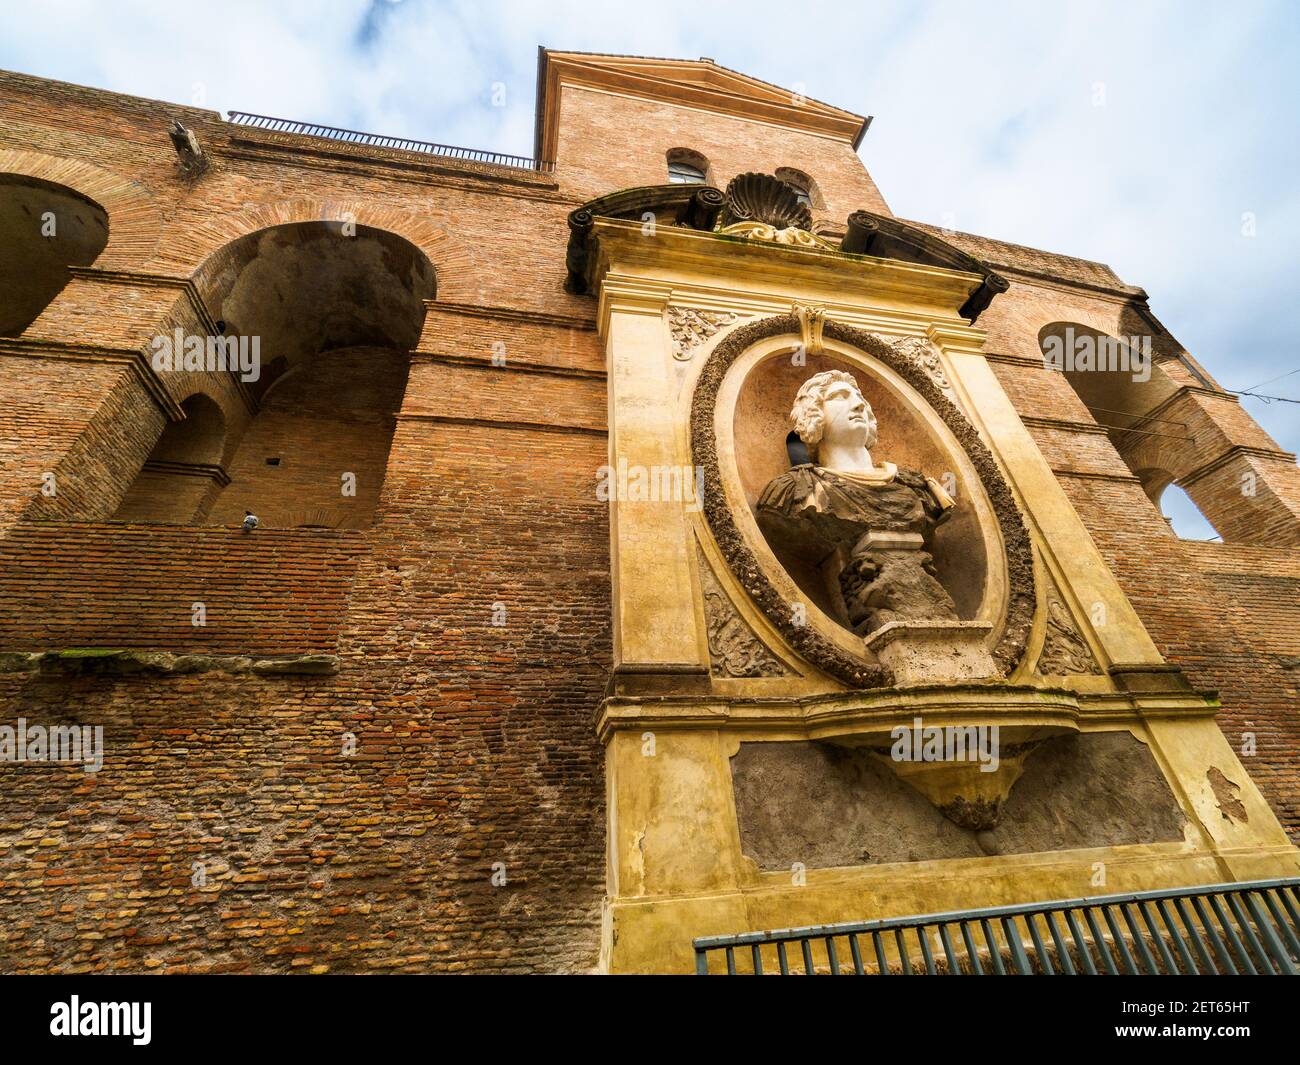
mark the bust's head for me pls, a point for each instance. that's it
(830, 412)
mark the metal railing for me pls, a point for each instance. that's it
(1247, 928)
(352, 136)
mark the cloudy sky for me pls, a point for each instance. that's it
(1138, 133)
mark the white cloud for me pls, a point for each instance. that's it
(985, 111)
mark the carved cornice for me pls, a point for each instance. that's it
(858, 714)
(749, 274)
(762, 209)
(815, 648)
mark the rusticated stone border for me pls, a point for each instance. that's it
(814, 647)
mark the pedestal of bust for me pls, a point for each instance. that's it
(932, 652)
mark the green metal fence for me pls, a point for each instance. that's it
(1247, 928)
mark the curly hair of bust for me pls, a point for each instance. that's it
(807, 416)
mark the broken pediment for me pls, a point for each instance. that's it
(888, 238)
(693, 206)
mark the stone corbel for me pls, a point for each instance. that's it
(190, 155)
(812, 319)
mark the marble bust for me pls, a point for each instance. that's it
(867, 525)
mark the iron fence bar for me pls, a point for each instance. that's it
(1097, 937)
(995, 951)
(1252, 942)
(831, 956)
(756, 956)
(1197, 936)
(1039, 949)
(1278, 952)
(1121, 948)
(805, 945)
(1085, 956)
(1139, 941)
(925, 950)
(1282, 922)
(1207, 926)
(1231, 936)
(971, 949)
(880, 954)
(1018, 957)
(782, 959)
(1167, 961)
(1062, 951)
(1177, 937)
(1295, 894)
(954, 966)
(731, 961)
(858, 970)
(902, 952)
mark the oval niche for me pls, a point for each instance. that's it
(739, 424)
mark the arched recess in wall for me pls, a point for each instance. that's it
(805, 187)
(45, 228)
(183, 473)
(1125, 392)
(324, 316)
(686, 166)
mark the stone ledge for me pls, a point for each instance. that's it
(97, 661)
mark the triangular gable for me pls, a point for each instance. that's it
(700, 83)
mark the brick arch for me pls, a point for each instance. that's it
(1014, 326)
(1159, 452)
(204, 239)
(1170, 458)
(1141, 393)
(134, 220)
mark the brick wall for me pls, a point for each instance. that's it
(611, 142)
(108, 584)
(1225, 613)
(475, 751)
(475, 743)
(331, 417)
